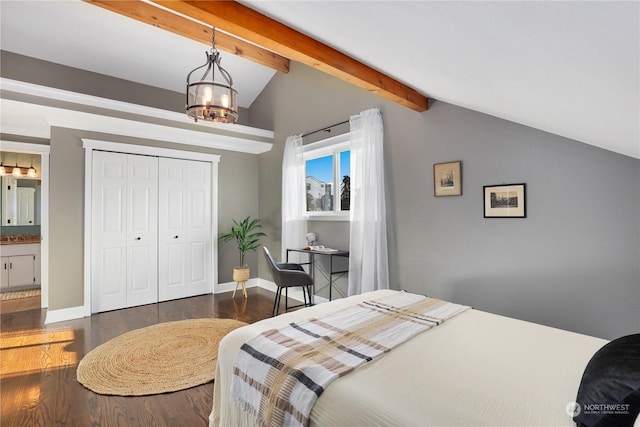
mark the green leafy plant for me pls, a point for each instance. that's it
(246, 235)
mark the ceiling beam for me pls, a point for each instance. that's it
(252, 26)
(166, 20)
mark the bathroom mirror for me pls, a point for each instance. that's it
(20, 196)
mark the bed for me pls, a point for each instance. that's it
(475, 369)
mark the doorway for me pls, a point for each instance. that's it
(42, 151)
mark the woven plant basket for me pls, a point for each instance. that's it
(241, 274)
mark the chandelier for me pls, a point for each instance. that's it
(208, 99)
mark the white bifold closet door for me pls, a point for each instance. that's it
(184, 251)
(124, 230)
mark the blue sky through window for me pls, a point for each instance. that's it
(345, 164)
(322, 168)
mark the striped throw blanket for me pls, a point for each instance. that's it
(279, 375)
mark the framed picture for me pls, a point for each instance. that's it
(505, 201)
(447, 179)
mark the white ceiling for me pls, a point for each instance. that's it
(569, 68)
(81, 35)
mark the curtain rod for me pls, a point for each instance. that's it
(326, 129)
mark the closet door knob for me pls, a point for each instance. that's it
(138, 238)
(175, 237)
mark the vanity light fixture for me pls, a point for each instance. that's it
(208, 99)
(18, 171)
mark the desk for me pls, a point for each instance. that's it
(312, 263)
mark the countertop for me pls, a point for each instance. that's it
(19, 239)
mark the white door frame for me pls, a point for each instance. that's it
(90, 145)
(43, 151)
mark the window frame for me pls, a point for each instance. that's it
(332, 146)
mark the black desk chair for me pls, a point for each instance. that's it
(285, 276)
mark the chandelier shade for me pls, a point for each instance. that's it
(209, 99)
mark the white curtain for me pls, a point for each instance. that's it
(368, 260)
(294, 227)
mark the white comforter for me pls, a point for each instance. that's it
(475, 369)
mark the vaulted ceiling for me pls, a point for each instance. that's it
(569, 68)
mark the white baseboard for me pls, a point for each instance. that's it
(257, 282)
(64, 314)
(79, 312)
(230, 286)
(319, 300)
(294, 293)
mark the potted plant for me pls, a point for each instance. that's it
(247, 237)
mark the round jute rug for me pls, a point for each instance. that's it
(158, 359)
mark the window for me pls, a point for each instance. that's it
(328, 177)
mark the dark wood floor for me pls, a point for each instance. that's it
(38, 365)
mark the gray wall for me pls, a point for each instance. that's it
(573, 263)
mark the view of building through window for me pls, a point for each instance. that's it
(321, 182)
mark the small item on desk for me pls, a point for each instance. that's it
(311, 238)
(321, 249)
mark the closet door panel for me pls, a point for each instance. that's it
(199, 227)
(198, 273)
(139, 272)
(109, 243)
(175, 265)
(172, 220)
(113, 212)
(175, 210)
(113, 272)
(142, 230)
